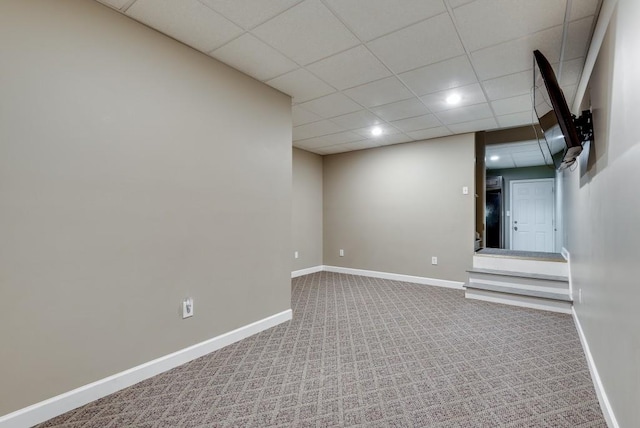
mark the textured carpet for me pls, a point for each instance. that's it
(375, 353)
(521, 254)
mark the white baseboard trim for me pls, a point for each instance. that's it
(63, 403)
(307, 271)
(397, 277)
(605, 405)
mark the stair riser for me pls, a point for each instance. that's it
(521, 265)
(517, 282)
(521, 301)
(538, 292)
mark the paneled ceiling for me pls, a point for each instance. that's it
(522, 154)
(352, 65)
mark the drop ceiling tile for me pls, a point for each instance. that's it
(569, 93)
(249, 13)
(530, 154)
(332, 105)
(373, 18)
(116, 4)
(350, 68)
(516, 119)
(254, 57)
(308, 144)
(360, 145)
(427, 134)
(401, 109)
(417, 123)
(301, 85)
(418, 45)
(509, 86)
(525, 146)
(343, 148)
(513, 105)
(387, 140)
(529, 163)
(578, 38)
(465, 114)
(440, 76)
(525, 161)
(557, 145)
(329, 140)
(571, 71)
(512, 155)
(485, 23)
(315, 129)
(322, 152)
(530, 146)
(342, 137)
(348, 147)
(458, 3)
(516, 55)
(386, 130)
(504, 162)
(474, 126)
(330, 150)
(583, 8)
(357, 120)
(489, 151)
(301, 116)
(306, 33)
(189, 21)
(380, 92)
(470, 94)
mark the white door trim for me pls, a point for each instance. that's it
(553, 211)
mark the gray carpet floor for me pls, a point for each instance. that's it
(537, 255)
(374, 353)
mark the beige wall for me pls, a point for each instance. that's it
(392, 208)
(602, 218)
(306, 218)
(134, 172)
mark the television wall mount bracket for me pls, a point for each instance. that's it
(584, 125)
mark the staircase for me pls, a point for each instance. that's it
(529, 279)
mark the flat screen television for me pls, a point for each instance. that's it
(554, 115)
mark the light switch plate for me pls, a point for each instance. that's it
(187, 307)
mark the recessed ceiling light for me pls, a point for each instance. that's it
(454, 99)
(375, 131)
(494, 158)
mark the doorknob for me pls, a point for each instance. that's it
(515, 228)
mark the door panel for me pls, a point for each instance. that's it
(532, 215)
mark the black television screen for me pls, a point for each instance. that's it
(552, 110)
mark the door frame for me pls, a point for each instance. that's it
(553, 210)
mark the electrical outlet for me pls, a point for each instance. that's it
(434, 260)
(295, 254)
(341, 253)
(187, 307)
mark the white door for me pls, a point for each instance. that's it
(532, 210)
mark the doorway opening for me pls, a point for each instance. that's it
(522, 209)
